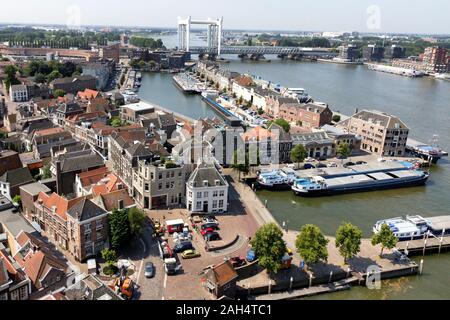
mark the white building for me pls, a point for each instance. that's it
(207, 190)
(18, 93)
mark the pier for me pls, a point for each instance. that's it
(428, 245)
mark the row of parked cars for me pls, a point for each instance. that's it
(209, 229)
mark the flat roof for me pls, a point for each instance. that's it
(14, 222)
(139, 106)
(35, 188)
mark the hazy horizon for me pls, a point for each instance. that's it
(381, 16)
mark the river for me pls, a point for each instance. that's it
(423, 104)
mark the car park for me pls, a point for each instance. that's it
(212, 236)
(149, 270)
(189, 254)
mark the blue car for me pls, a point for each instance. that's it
(251, 256)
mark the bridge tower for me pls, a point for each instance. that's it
(214, 34)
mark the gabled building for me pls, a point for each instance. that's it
(310, 115)
(221, 280)
(207, 190)
(14, 283)
(46, 268)
(11, 181)
(74, 84)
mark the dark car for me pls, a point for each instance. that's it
(349, 164)
(149, 270)
(309, 166)
(237, 262)
(321, 165)
(180, 247)
(213, 236)
(360, 162)
(214, 226)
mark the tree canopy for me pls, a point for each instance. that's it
(348, 240)
(299, 154)
(119, 228)
(282, 123)
(343, 150)
(311, 244)
(385, 237)
(144, 42)
(136, 219)
(269, 247)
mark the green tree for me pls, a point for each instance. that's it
(39, 78)
(269, 247)
(282, 123)
(343, 150)
(55, 74)
(110, 256)
(46, 173)
(116, 122)
(59, 93)
(348, 240)
(336, 118)
(260, 111)
(385, 237)
(241, 167)
(298, 154)
(136, 219)
(17, 199)
(311, 244)
(119, 228)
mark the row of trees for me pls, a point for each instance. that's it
(312, 245)
(144, 42)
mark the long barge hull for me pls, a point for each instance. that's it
(363, 188)
(188, 91)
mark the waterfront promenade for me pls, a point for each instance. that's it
(389, 265)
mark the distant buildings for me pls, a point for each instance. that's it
(435, 59)
(74, 84)
(373, 52)
(394, 52)
(18, 93)
(349, 52)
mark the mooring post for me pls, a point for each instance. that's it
(441, 240)
(348, 272)
(310, 280)
(331, 276)
(290, 285)
(424, 247)
(421, 267)
(270, 286)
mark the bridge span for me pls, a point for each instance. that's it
(262, 50)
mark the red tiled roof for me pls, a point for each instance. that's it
(258, 133)
(50, 131)
(88, 94)
(61, 204)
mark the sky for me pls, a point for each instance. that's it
(390, 16)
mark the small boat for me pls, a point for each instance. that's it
(430, 152)
(272, 180)
(405, 228)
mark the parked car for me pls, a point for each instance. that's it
(189, 254)
(206, 231)
(360, 162)
(251, 256)
(212, 236)
(309, 166)
(237, 262)
(332, 165)
(310, 159)
(214, 226)
(149, 270)
(210, 219)
(321, 165)
(349, 164)
(183, 246)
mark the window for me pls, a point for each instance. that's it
(214, 204)
(3, 296)
(221, 193)
(160, 176)
(159, 186)
(190, 194)
(199, 205)
(215, 193)
(205, 194)
(220, 203)
(199, 195)
(147, 187)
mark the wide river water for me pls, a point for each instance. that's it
(423, 104)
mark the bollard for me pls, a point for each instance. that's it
(424, 247)
(441, 241)
(310, 280)
(421, 267)
(290, 285)
(348, 272)
(270, 287)
(331, 276)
